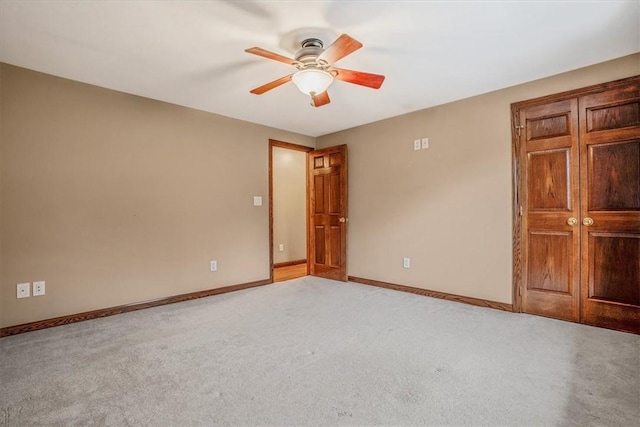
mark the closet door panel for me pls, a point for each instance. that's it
(614, 183)
(549, 154)
(610, 206)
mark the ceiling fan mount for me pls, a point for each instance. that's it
(315, 68)
(292, 41)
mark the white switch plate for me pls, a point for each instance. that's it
(425, 143)
(22, 290)
(213, 265)
(281, 247)
(416, 144)
(406, 262)
(38, 288)
(257, 201)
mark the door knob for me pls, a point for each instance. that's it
(342, 219)
(572, 221)
(587, 221)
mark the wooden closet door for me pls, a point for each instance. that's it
(610, 193)
(550, 210)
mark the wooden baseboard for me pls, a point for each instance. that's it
(434, 294)
(289, 263)
(104, 312)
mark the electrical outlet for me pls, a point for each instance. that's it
(406, 262)
(22, 290)
(213, 265)
(416, 144)
(38, 288)
(425, 143)
(281, 247)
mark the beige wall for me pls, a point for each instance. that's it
(289, 204)
(114, 199)
(448, 208)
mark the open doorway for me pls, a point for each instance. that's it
(288, 210)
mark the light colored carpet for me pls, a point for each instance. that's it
(318, 352)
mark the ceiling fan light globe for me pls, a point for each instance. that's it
(312, 81)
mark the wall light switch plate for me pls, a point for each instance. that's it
(23, 290)
(425, 143)
(406, 262)
(38, 288)
(213, 265)
(281, 247)
(257, 201)
(416, 144)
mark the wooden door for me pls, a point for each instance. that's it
(550, 210)
(577, 200)
(610, 186)
(328, 213)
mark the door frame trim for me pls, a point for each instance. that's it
(517, 184)
(296, 147)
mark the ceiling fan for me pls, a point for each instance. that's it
(315, 68)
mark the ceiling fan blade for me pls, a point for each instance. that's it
(321, 99)
(340, 48)
(373, 81)
(270, 55)
(271, 85)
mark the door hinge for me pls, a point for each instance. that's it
(520, 210)
(519, 129)
(520, 290)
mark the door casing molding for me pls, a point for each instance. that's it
(289, 146)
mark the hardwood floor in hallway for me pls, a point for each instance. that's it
(289, 272)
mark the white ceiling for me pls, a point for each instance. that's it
(191, 53)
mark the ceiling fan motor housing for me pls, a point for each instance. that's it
(311, 49)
